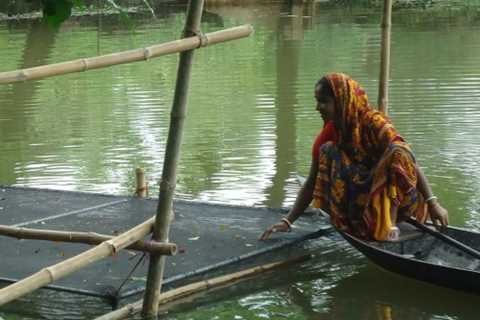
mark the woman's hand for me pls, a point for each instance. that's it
(282, 226)
(438, 214)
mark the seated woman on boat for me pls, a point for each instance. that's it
(363, 173)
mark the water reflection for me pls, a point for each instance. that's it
(290, 37)
(383, 295)
(18, 100)
(54, 305)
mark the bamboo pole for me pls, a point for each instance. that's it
(50, 274)
(85, 238)
(141, 190)
(385, 57)
(172, 153)
(108, 60)
(181, 293)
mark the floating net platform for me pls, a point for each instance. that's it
(212, 239)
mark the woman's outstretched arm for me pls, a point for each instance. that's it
(438, 214)
(304, 197)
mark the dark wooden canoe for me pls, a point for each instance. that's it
(424, 257)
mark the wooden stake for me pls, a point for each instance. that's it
(84, 237)
(60, 270)
(172, 153)
(385, 57)
(141, 191)
(178, 294)
(192, 42)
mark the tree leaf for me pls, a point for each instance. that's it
(56, 11)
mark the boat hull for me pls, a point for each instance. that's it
(427, 259)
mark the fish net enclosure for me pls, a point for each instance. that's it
(212, 239)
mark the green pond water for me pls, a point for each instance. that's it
(249, 129)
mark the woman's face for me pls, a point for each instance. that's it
(325, 105)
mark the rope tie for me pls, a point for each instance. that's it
(50, 274)
(22, 76)
(112, 245)
(142, 189)
(201, 36)
(203, 39)
(85, 64)
(147, 53)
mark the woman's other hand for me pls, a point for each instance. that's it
(277, 227)
(438, 214)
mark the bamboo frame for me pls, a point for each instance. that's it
(187, 291)
(50, 274)
(385, 57)
(172, 153)
(186, 46)
(85, 238)
(141, 54)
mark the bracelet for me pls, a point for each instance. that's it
(289, 224)
(431, 198)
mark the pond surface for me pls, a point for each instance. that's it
(250, 125)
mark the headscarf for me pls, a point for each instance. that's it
(365, 133)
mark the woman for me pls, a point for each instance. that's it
(363, 174)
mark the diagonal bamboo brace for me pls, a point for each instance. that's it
(64, 268)
(122, 57)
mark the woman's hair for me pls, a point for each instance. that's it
(325, 87)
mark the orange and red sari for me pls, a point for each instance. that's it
(367, 179)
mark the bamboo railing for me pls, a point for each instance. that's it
(66, 267)
(91, 238)
(194, 288)
(110, 245)
(125, 56)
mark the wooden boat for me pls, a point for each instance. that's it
(449, 259)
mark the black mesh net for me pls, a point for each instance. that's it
(212, 238)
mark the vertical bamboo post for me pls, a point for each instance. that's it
(141, 189)
(99, 26)
(168, 181)
(385, 57)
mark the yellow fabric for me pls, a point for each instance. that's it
(381, 206)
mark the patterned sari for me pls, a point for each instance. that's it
(367, 180)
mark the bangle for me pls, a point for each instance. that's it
(289, 224)
(430, 199)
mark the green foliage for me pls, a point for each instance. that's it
(78, 3)
(56, 11)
